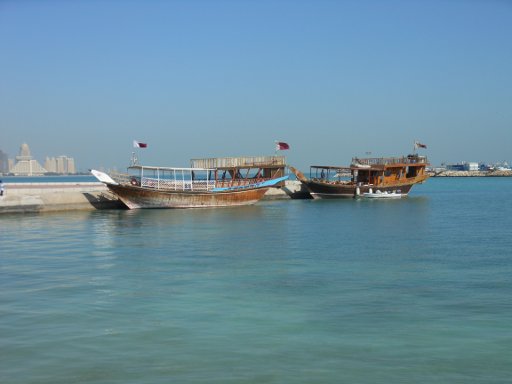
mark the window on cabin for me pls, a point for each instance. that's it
(412, 172)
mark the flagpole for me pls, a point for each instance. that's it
(137, 144)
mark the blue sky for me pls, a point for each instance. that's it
(334, 79)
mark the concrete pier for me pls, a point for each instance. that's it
(46, 197)
(39, 197)
(292, 189)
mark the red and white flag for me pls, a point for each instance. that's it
(138, 144)
(417, 144)
(281, 146)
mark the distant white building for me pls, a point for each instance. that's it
(471, 167)
(25, 165)
(464, 166)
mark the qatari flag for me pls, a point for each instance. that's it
(281, 146)
(137, 144)
(419, 145)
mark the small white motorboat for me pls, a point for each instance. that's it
(378, 194)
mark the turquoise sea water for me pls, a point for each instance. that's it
(416, 290)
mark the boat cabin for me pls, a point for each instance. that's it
(233, 171)
(329, 173)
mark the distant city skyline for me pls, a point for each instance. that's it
(24, 164)
(214, 79)
(64, 164)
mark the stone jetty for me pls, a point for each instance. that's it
(44, 197)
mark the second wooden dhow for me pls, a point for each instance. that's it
(391, 175)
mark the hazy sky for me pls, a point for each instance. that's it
(334, 79)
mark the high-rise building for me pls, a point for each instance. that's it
(71, 165)
(50, 164)
(4, 162)
(60, 164)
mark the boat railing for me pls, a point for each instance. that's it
(177, 185)
(390, 160)
(182, 181)
(121, 178)
(240, 182)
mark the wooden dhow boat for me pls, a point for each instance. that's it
(165, 187)
(388, 175)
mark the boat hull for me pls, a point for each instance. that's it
(320, 190)
(135, 197)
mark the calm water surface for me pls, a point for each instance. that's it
(410, 291)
